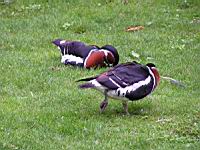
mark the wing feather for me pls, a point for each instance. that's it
(123, 75)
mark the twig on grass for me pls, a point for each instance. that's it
(173, 81)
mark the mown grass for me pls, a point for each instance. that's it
(40, 104)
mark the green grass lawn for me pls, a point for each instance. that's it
(41, 107)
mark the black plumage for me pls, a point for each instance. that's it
(130, 81)
(77, 53)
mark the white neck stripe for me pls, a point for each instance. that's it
(154, 79)
(88, 56)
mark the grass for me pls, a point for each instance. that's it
(40, 104)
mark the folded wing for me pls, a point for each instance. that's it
(123, 75)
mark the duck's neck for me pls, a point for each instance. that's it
(156, 75)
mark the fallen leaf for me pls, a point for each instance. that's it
(134, 28)
(134, 54)
(149, 23)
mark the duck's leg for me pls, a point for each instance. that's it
(104, 103)
(125, 106)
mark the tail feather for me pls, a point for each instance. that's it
(57, 42)
(59, 45)
(86, 86)
(87, 79)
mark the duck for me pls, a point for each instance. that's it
(77, 53)
(129, 81)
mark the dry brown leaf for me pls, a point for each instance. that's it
(134, 28)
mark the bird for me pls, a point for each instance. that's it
(77, 53)
(129, 81)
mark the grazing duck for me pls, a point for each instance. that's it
(128, 82)
(88, 56)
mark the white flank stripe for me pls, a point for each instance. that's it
(98, 85)
(64, 51)
(60, 50)
(71, 58)
(130, 88)
(137, 85)
(114, 82)
(62, 42)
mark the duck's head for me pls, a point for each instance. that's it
(103, 57)
(155, 72)
(111, 54)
